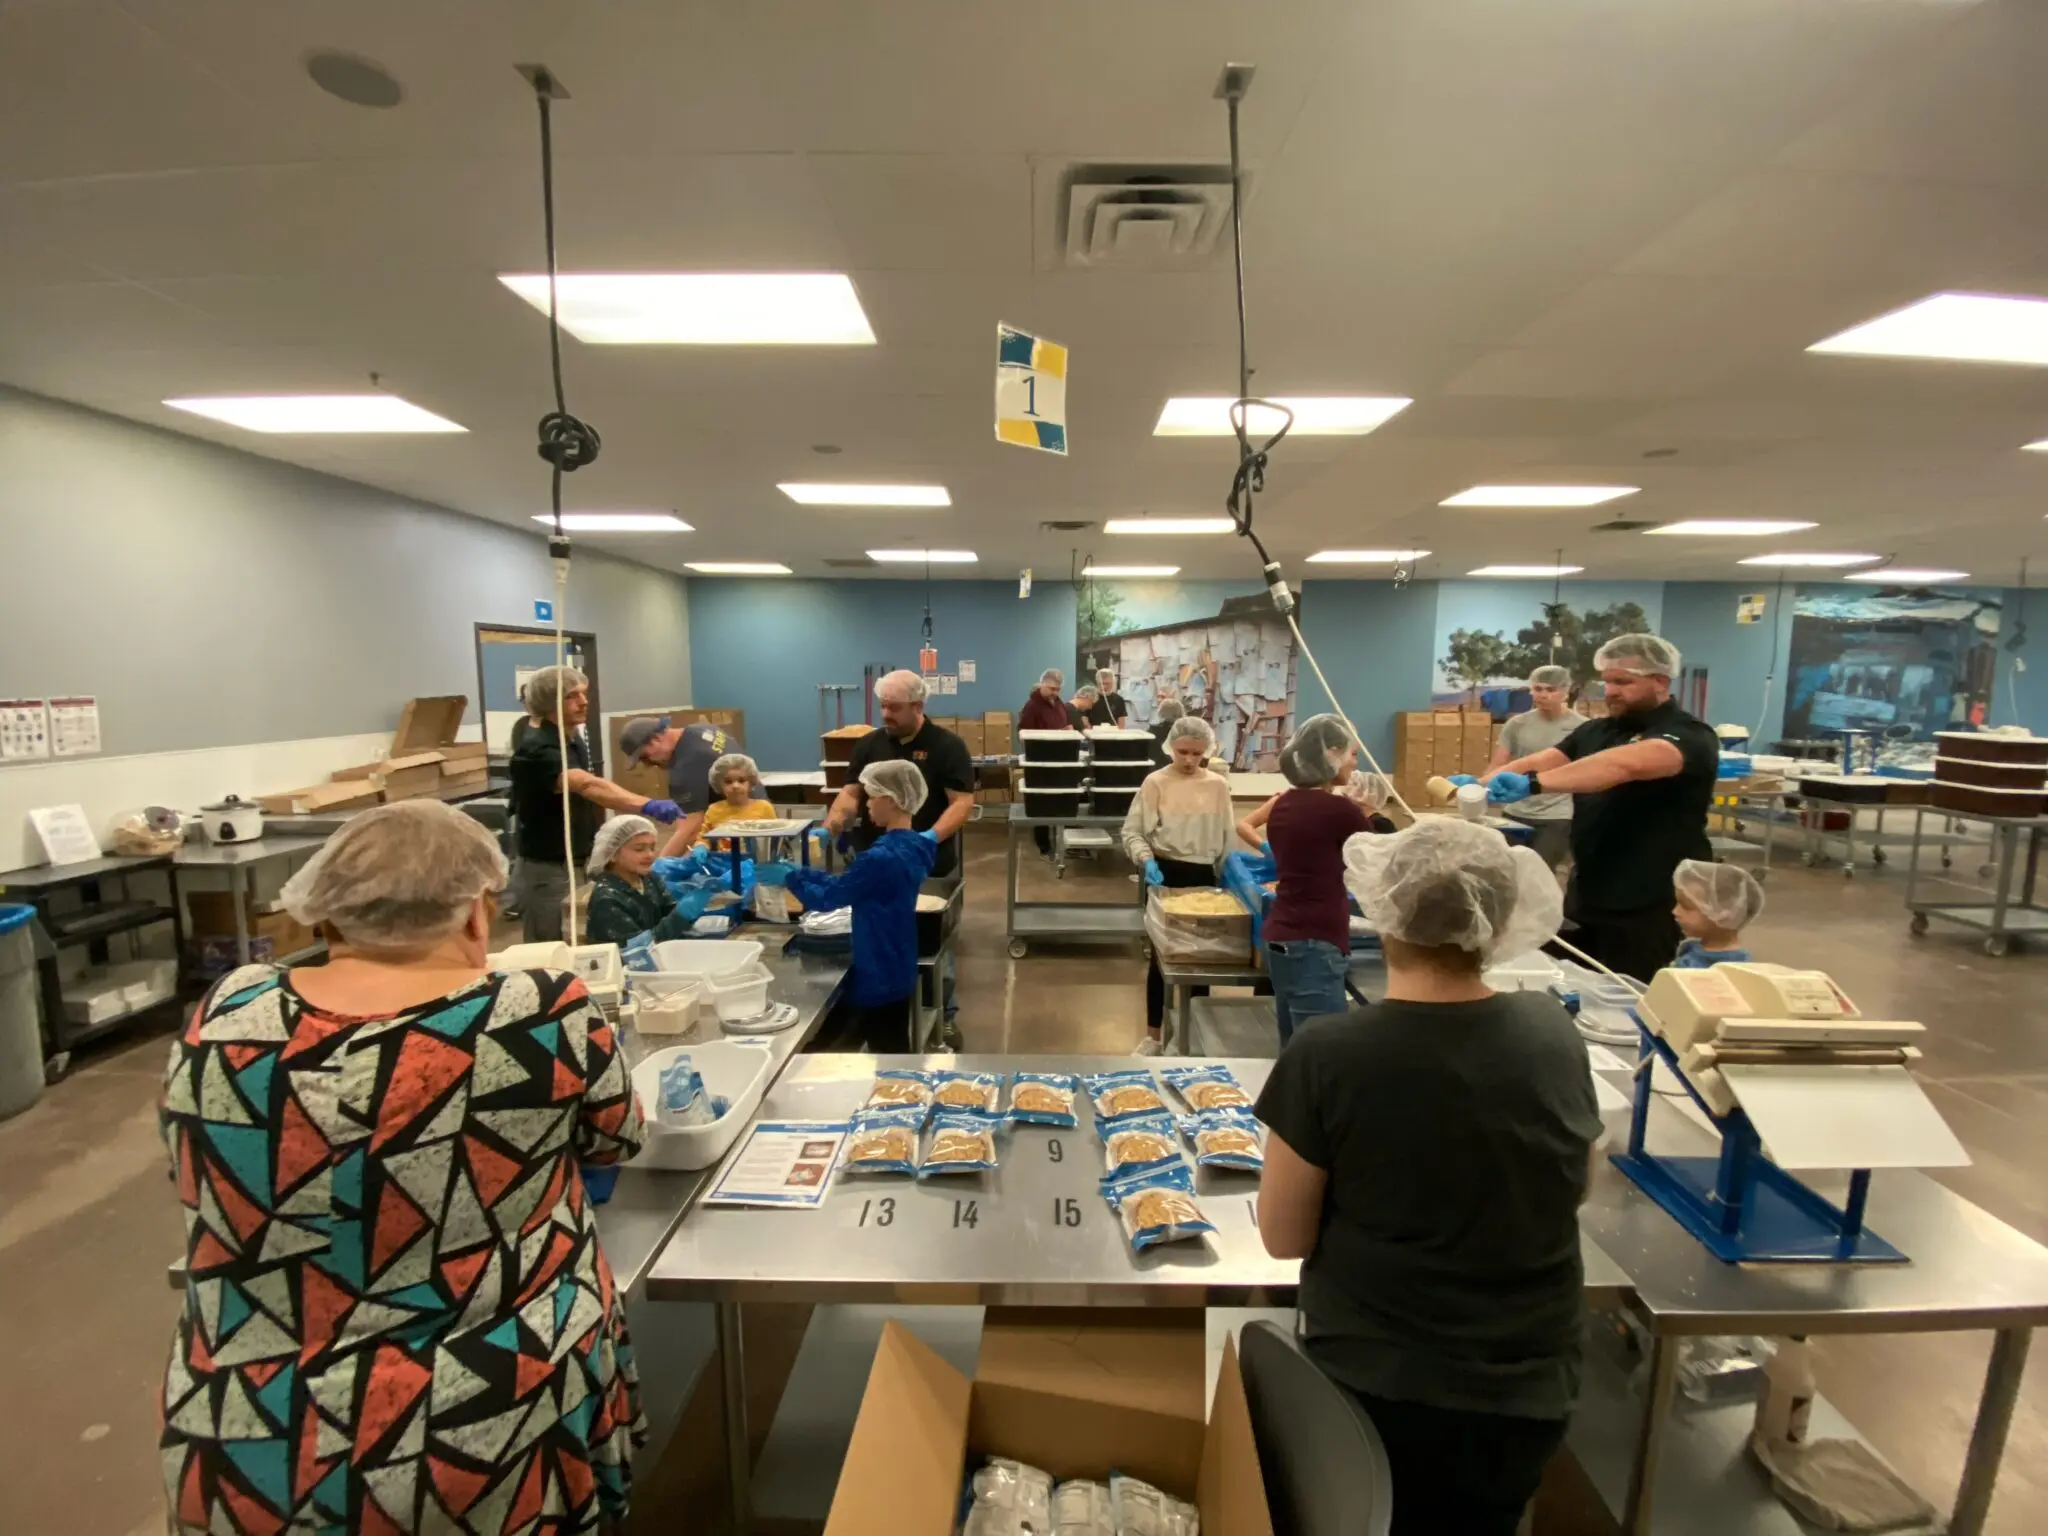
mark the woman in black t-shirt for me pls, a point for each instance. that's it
(1426, 1161)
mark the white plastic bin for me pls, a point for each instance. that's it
(706, 957)
(739, 996)
(735, 1072)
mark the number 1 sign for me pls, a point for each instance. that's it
(1031, 391)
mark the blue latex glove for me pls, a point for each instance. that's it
(1265, 850)
(1506, 788)
(820, 831)
(1462, 779)
(930, 836)
(662, 811)
(773, 874)
(1153, 874)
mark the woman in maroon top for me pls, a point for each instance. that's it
(1308, 928)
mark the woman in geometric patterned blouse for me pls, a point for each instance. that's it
(397, 1316)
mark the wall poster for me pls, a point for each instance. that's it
(1903, 661)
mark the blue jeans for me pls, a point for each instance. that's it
(1308, 981)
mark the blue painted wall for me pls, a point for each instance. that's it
(2021, 698)
(1699, 618)
(764, 646)
(1375, 642)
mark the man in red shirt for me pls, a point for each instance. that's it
(1045, 710)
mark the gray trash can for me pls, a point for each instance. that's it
(21, 1040)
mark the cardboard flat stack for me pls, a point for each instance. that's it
(425, 759)
(1427, 743)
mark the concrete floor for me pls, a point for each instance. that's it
(88, 1220)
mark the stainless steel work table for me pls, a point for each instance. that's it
(1966, 1270)
(1181, 980)
(1033, 1232)
(1076, 921)
(238, 859)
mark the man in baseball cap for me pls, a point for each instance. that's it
(687, 751)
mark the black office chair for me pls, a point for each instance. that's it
(1325, 1469)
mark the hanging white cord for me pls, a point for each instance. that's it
(562, 737)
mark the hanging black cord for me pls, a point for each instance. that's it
(566, 442)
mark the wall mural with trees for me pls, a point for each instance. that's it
(1489, 668)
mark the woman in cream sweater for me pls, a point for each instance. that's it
(1178, 830)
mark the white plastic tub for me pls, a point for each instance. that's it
(738, 1073)
(671, 1013)
(706, 957)
(742, 996)
(1533, 972)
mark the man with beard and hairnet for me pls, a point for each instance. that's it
(1426, 1159)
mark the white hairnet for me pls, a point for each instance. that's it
(1370, 790)
(545, 689)
(906, 686)
(397, 877)
(1169, 709)
(1316, 753)
(1051, 675)
(1644, 655)
(1106, 677)
(613, 836)
(1550, 677)
(1087, 691)
(1729, 897)
(1191, 728)
(897, 779)
(731, 763)
(1445, 881)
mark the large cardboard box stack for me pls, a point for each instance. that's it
(1414, 754)
(1075, 1395)
(1440, 742)
(997, 736)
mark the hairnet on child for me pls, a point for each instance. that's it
(730, 764)
(1315, 755)
(1644, 655)
(1192, 728)
(1445, 881)
(1370, 790)
(899, 780)
(1729, 897)
(613, 836)
(397, 877)
(1550, 677)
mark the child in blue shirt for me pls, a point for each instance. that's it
(1714, 903)
(881, 886)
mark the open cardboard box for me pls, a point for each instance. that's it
(1075, 1394)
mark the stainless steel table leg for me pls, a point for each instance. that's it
(237, 874)
(1642, 1472)
(1987, 1438)
(732, 1366)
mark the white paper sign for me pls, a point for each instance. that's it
(966, 673)
(75, 726)
(67, 836)
(1031, 391)
(1024, 583)
(949, 682)
(784, 1163)
(24, 730)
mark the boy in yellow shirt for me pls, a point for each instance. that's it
(734, 776)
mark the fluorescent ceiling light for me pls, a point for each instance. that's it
(1903, 576)
(814, 493)
(1957, 327)
(2040, 447)
(1314, 415)
(1539, 495)
(1809, 560)
(317, 413)
(736, 567)
(617, 522)
(1729, 528)
(1527, 570)
(711, 309)
(1130, 570)
(1169, 525)
(923, 556)
(1366, 556)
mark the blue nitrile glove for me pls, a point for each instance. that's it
(662, 810)
(1265, 850)
(1153, 874)
(820, 831)
(773, 874)
(1460, 780)
(1506, 788)
(930, 836)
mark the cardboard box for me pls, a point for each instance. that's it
(1104, 1392)
(342, 795)
(1476, 744)
(406, 778)
(651, 779)
(998, 734)
(975, 734)
(210, 914)
(427, 724)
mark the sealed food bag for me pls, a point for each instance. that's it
(1157, 1206)
(1144, 1141)
(900, 1088)
(1118, 1094)
(1082, 1509)
(683, 1099)
(883, 1141)
(1204, 1088)
(1009, 1499)
(1139, 1509)
(960, 1143)
(968, 1090)
(1225, 1138)
(1044, 1098)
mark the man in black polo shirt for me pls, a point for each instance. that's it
(940, 756)
(1641, 782)
(539, 780)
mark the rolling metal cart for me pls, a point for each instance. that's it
(1073, 921)
(2007, 914)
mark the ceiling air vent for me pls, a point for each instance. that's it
(1148, 217)
(858, 563)
(1627, 525)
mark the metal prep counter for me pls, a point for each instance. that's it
(1034, 1232)
(2010, 911)
(238, 860)
(1077, 921)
